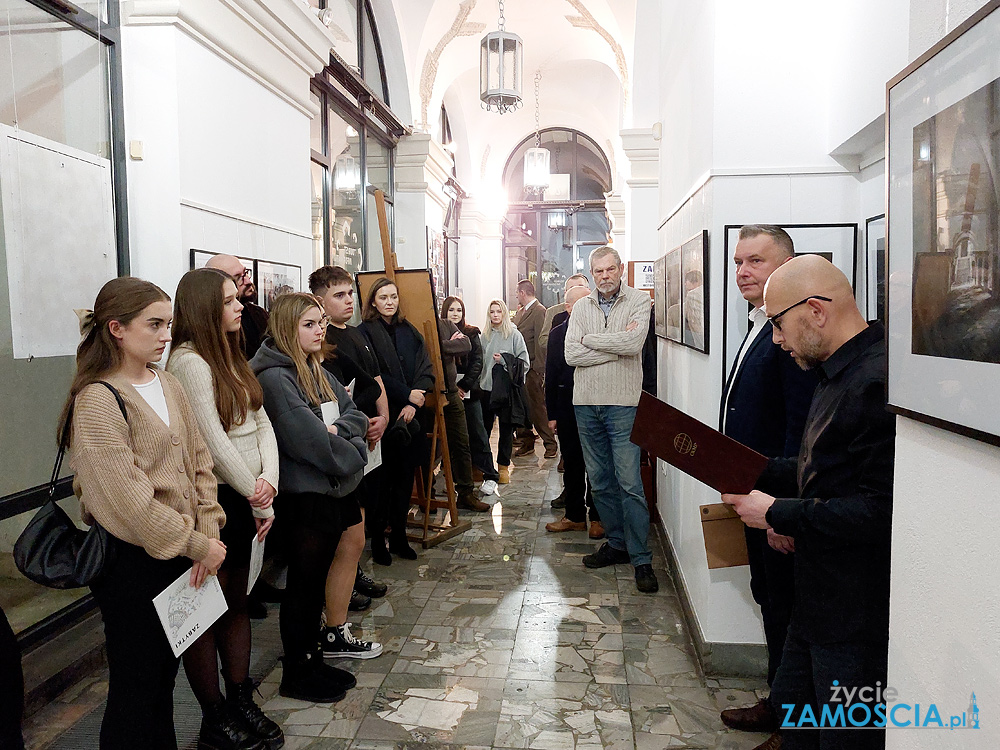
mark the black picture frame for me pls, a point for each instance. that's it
(274, 279)
(943, 298)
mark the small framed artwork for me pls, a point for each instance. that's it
(694, 292)
(674, 285)
(199, 258)
(437, 263)
(943, 236)
(275, 279)
(660, 296)
(875, 267)
(838, 243)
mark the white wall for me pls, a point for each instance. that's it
(944, 642)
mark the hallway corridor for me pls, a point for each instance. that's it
(498, 638)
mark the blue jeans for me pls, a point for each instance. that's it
(613, 469)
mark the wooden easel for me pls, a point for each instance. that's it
(418, 302)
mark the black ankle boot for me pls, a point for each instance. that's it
(401, 548)
(239, 696)
(380, 555)
(305, 679)
(222, 729)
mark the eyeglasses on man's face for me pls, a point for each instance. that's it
(238, 277)
(776, 319)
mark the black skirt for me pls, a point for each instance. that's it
(332, 515)
(239, 529)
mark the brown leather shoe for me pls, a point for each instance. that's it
(561, 466)
(596, 530)
(564, 524)
(771, 743)
(477, 474)
(757, 718)
(525, 450)
(471, 502)
(551, 453)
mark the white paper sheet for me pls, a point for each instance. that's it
(374, 457)
(186, 612)
(350, 388)
(330, 411)
(256, 562)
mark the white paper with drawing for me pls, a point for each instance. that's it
(186, 612)
(374, 457)
(330, 411)
(256, 561)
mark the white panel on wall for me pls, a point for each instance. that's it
(59, 232)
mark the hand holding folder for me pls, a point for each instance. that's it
(710, 457)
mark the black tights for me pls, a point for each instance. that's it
(229, 636)
(310, 553)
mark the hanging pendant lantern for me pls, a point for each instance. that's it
(536, 159)
(346, 175)
(500, 62)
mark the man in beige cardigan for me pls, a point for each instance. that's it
(604, 341)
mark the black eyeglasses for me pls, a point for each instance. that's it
(774, 318)
(238, 277)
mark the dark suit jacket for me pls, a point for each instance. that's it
(530, 325)
(770, 399)
(558, 376)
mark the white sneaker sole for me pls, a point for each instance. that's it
(353, 654)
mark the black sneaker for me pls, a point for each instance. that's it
(645, 579)
(239, 696)
(223, 729)
(305, 680)
(359, 602)
(559, 501)
(606, 555)
(340, 677)
(339, 643)
(364, 584)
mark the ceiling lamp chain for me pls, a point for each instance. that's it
(500, 62)
(536, 160)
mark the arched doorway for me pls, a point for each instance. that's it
(548, 238)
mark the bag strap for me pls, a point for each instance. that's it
(64, 438)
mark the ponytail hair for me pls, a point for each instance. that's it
(99, 354)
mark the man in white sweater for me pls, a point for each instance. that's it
(604, 342)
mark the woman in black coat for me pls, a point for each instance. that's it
(407, 376)
(470, 368)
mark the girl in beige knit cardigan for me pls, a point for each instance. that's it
(207, 359)
(148, 481)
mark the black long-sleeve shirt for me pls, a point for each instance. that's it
(842, 515)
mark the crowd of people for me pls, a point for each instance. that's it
(294, 426)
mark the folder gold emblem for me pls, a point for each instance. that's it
(684, 445)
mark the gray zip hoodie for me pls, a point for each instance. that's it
(310, 458)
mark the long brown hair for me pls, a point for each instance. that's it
(371, 312)
(198, 323)
(283, 327)
(463, 326)
(99, 354)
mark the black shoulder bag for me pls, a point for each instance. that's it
(52, 550)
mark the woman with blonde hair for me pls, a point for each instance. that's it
(143, 472)
(322, 454)
(228, 403)
(500, 338)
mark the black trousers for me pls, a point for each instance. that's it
(11, 688)
(772, 584)
(806, 676)
(506, 443)
(578, 495)
(479, 441)
(141, 666)
(534, 394)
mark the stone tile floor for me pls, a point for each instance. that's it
(499, 638)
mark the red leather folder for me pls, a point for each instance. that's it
(695, 448)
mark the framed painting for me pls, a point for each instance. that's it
(437, 264)
(660, 296)
(875, 267)
(274, 279)
(838, 243)
(674, 286)
(943, 232)
(694, 292)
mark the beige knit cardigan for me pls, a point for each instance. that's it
(244, 454)
(147, 483)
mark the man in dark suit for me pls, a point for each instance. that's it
(764, 406)
(529, 320)
(562, 419)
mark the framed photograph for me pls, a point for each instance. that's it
(875, 267)
(674, 287)
(199, 258)
(694, 292)
(838, 243)
(660, 296)
(275, 279)
(437, 264)
(943, 232)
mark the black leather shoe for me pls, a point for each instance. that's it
(305, 680)
(239, 696)
(757, 718)
(401, 548)
(364, 584)
(559, 501)
(359, 602)
(222, 729)
(645, 579)
(606, 555)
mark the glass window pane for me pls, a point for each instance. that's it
(377, 168)
(318, 189)
(376, 260)
(373, 71)
(592, 226)
(378, 162)
(26, 603)
(342, 20)
(316, 142)
(555, 241)
(346, 231)
(54, 81)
